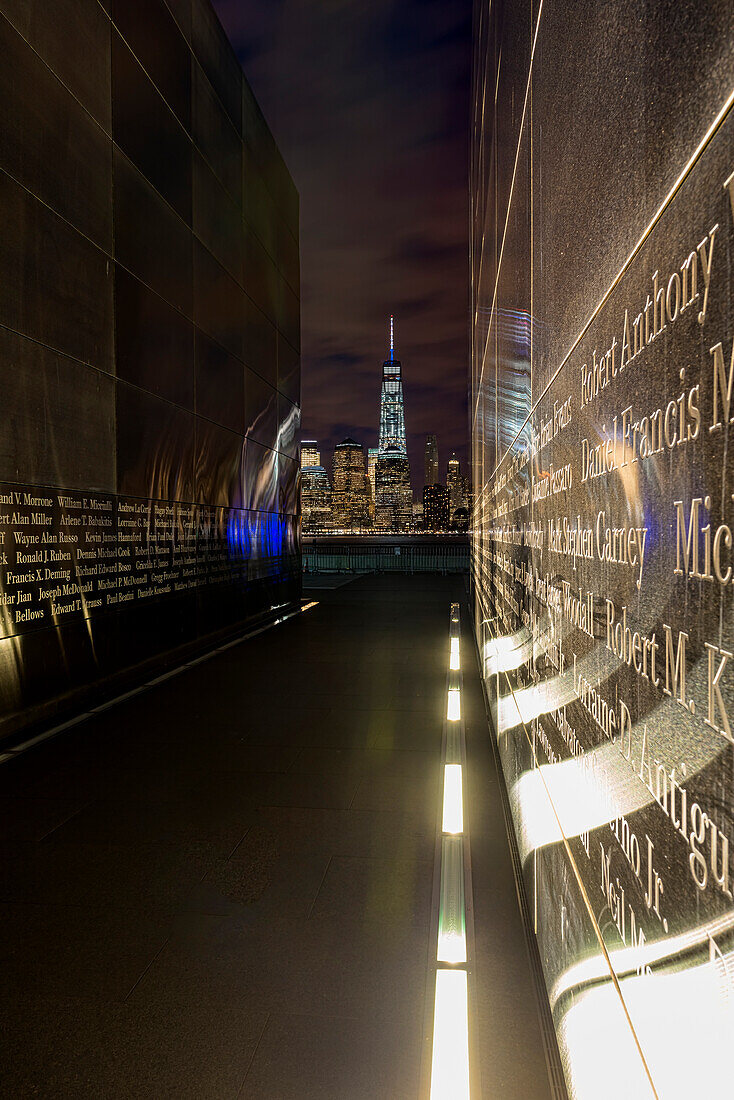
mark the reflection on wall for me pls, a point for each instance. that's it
(603, 534)
(149, 346)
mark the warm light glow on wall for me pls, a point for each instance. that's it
(453, 712)
(507, 653)
(455, 663)
(450, 1063)
(453, 810)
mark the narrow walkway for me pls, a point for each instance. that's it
(224, 886)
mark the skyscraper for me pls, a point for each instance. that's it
(435, 508)
(373, 453)
(455, 485)
(431, 461)
(392, 414)
(394, 506)
(315, 499)
(393, 494)
(350, 495)
(310, 453)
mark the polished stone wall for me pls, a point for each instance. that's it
(603, 534)
(149, 346)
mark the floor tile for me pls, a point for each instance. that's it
(98, 875)
(265, 882)
(64, 1048)
(325, 1058)
(56, 950)
(393, 891)
(33, 818)
(127, 822)
(341, 832)
(303, 966)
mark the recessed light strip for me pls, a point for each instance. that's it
(453, 799)
(450, 1076)
(451, 920)
(450, 1062)
(453, 743)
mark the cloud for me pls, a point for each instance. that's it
(369, 104)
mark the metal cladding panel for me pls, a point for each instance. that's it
(602, 247)
(149, 361)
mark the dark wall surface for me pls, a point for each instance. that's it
(149, 344)
(603, 547)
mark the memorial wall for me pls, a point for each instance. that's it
(149, 346)
(603, 533)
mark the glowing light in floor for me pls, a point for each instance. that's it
(450, 1062)
(453, 744)
(453, 810)
(451, 921)
(455, 663)
(453, 712)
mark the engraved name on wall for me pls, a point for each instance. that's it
(608, 540)
(65, 554)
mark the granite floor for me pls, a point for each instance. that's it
(222, 887)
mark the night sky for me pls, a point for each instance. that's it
(369, 103)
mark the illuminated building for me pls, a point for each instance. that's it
(431, 461)
(392, 413)
(351, 490)
(373, 454)
(454, 485)
(310, 453)
(435, 508)
(393, 492)
(394, 505)
(460, 520)
(315, 499)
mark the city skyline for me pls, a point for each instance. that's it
(370, 487)
(384, 225)
(326, 458)
(385, 751)
(368, 491)
(391, 431)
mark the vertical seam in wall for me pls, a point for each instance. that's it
(695, 156)
(514, 171)
(112, 261)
